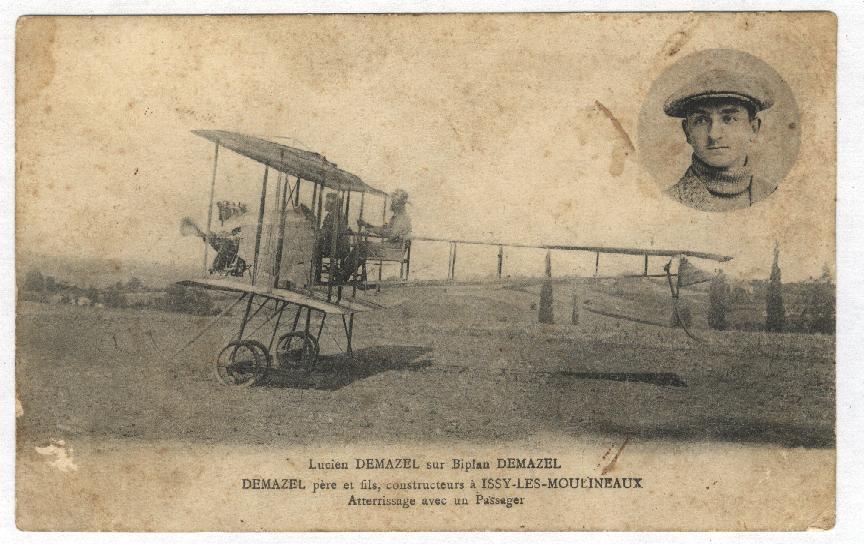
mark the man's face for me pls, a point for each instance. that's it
(720, 132)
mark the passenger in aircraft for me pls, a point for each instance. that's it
(225, 240)
(398, 229)
(393, 233)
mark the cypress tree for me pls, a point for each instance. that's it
(574, 312)
(718, 302)
(775, 320)
(546, 300)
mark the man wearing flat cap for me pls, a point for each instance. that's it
(393, 234)
(719, 114)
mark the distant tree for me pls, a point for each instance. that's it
(775, 320)
(134, 284)
(739, 295)
(193, 301)
(719, 296)
(51, 284)
(114, 297)
(34, 281)
(820, 312)
(92, 293)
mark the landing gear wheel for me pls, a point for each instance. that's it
(297, 349)
(242, 363)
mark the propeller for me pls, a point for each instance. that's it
(189, 228)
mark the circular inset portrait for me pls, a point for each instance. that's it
(719, 130)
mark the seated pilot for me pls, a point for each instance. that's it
(394, 232)
(343, 251)
(332, 209)
(719, 116)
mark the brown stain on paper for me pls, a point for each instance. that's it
(34, 64)
(678, 40)
(675, 43)
(608, 468)
(625, 146)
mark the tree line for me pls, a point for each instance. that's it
(814, 313)
(130, 294)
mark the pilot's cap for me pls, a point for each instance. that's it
(719, 83)
(400, 196)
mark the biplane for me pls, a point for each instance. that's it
(298, 255)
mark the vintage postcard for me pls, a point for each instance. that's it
(442, 272)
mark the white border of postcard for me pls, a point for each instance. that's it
(850, 243)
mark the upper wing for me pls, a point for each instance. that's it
(592, 249)
(296, 162)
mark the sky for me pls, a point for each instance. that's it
(501, 127)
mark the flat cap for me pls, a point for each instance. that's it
(720, 84)
(399, 195)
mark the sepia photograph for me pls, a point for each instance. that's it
(429, 272)
(722, 100)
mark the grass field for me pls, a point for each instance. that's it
(145, 438)
(441, 363)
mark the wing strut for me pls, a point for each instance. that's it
(210, 209)
(381, 262)
(277, 267)
(260, 225)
